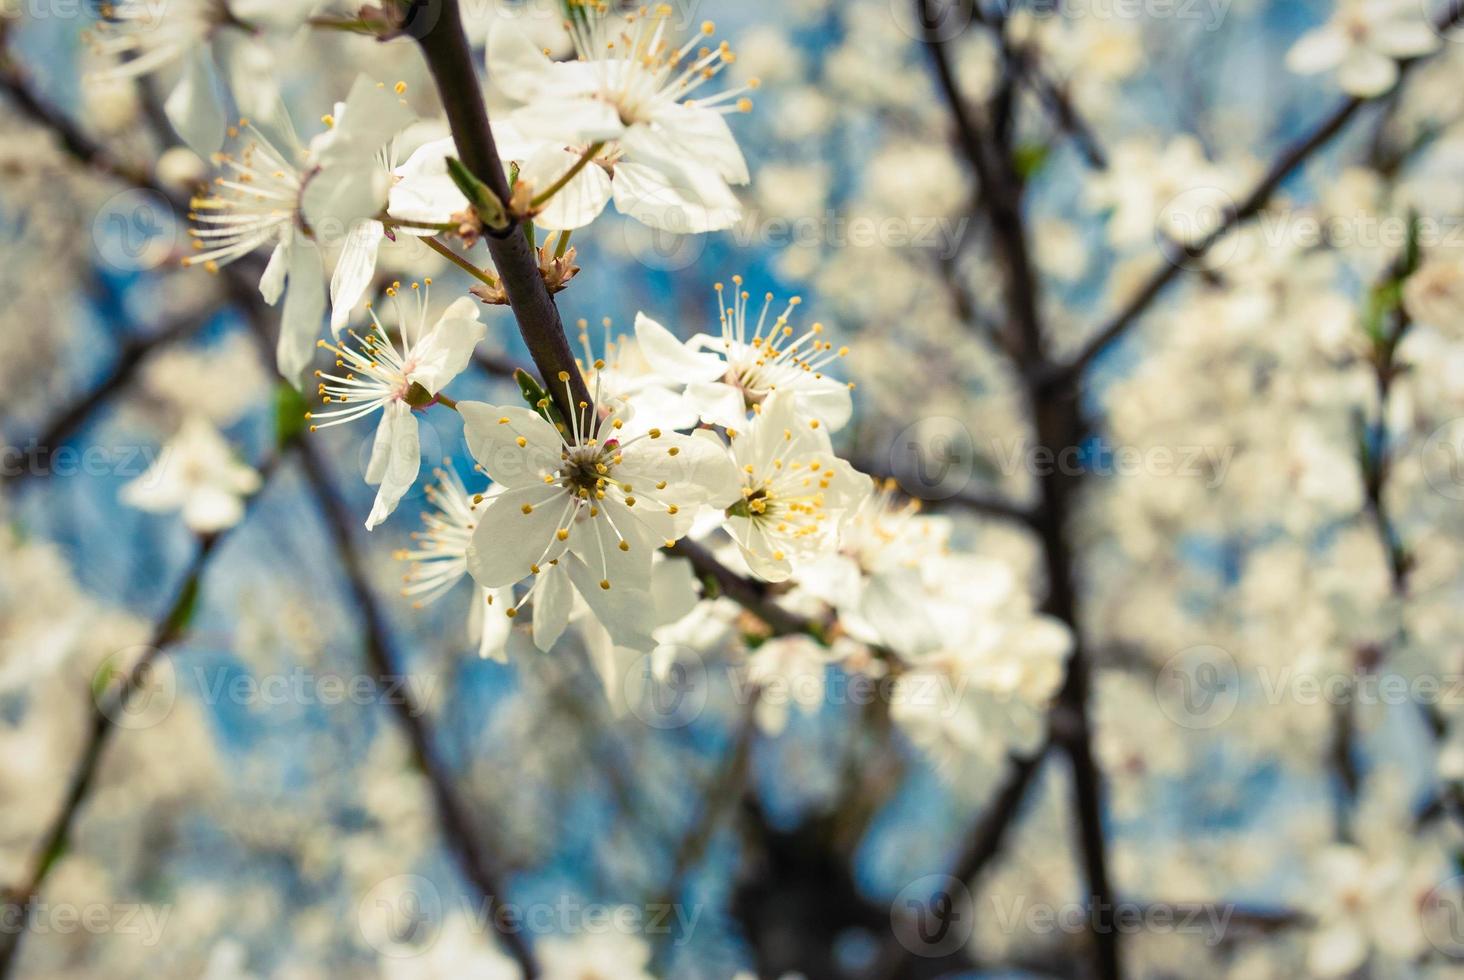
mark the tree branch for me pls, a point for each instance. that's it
(450, 60)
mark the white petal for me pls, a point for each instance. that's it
(403, 460)
(685, 202)
(1318, 51)
(445, 351)
(380, 451)
(515, 64)
(718, 403)
(494, 626)
(354, 269)
(494, 443)
(829, 402)
(672, 359)
(211, 509)
(553, 601)
(1405, 39)
(507, 542)
(568, 121)
(621, 610)
(343, 193)
(578, 202)
(272, 282)
(193, 106)
(304, 308)
(1365, 73)
(372, 114)
(683, 133)
(423, 191)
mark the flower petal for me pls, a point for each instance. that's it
(403, 455)
(508, 542)
(354, 269)
(193, 107)
(672, 359)
(445, 351)
(492, 433)
(304, 309)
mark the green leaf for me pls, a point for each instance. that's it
(489, 207)
(538, 399)
(183, 609)
(1413, 254)
(1029, 158)
(289, 410)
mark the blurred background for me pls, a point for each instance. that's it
(1199, 424)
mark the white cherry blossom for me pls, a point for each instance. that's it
(438, 561)
(596, 504)
(196, 473)
(1363, 42)
(622, 122)
(378, 375)
(794, 491)
(726, 376)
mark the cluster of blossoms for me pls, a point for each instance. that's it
(725, 436)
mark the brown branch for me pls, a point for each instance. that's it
(450, 60)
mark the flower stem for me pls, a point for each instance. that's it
(568, 175)
(421, 225)
(461, 262)
(559, 249)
